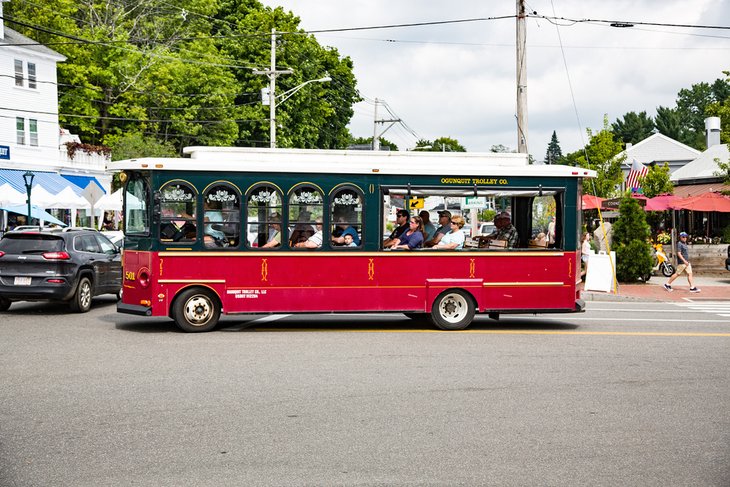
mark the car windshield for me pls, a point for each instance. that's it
(30, 244)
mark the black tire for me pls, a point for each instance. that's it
(81, 302)
(119, 294)
(453, 310)
(196, 310)
(5, 304)
(667, 269)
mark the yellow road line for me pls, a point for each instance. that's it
(506, 332)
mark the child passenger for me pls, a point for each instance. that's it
(349, 242)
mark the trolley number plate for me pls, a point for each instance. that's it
(22, 281)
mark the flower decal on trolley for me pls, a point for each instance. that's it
(264, 196)
(177, 193)
(222, 195)
(347, 199)
(307, 198)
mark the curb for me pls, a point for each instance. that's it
(599, 296)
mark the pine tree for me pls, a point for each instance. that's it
(630, 238)
(554, 154)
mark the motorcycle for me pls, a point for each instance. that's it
(661, 262)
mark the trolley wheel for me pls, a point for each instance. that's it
(196, 310)
(4, 304)
(667, 269)
(81, 302)
(453, 310)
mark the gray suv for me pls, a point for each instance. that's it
(70, 266)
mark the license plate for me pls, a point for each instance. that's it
(22, 281)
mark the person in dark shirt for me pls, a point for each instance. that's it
(401, 219)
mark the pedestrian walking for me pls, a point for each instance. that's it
(683, 265)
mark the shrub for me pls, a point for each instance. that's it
(631, 240)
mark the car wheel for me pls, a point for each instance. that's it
(453, 310)
(196, 310)
(4, 304)
(119, 294)
(81, 302)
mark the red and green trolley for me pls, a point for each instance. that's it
(222, 231)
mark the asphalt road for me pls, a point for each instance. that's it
(624, 394)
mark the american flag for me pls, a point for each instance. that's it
(637, 171)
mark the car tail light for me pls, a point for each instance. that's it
(144, 278)
(56, 256)
(2, 253)
(56, 281)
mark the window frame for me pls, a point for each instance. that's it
(20, 131)
(267, 222)
(185, 222)
(33, 132)
(225, 214)
(19, 73)
(32, 76)
(318, 211)
(333, 219)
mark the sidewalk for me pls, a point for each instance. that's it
(712, 287)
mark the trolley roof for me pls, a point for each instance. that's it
(318, 161)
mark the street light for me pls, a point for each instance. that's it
(285, 96)
(28, 178)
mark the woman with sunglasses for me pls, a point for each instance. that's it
(455, 238)
(413, 237)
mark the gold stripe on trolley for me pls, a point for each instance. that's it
(522, 284)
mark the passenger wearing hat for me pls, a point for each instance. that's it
(505, 230)
(443, 229)
(683, 266)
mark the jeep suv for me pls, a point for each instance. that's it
(69, 266)
(727, 261)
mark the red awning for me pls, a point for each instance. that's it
(704, 202)
(660, 203)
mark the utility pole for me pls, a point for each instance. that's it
(272, 74)
(376, 135)
(521, 78)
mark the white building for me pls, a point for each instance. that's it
(30, 135)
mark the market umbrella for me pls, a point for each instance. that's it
(660, 203)
(590, 202)
(704, 202)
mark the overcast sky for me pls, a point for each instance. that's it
(458, 80)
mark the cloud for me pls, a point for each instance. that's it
(458, 80)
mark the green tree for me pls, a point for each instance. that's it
(631, 241)
(669, 122)
(633, 128)
(442, 144)
(368, 141)
(554, 155)
(601, 155)
(697, 103)
(657, 181)
(182, 72)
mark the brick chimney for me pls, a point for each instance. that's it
(712, 131)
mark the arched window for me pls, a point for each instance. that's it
(177, 212)
(263, 216)
(221, 216)
(306, 209)
(346, 216)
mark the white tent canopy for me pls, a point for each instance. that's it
(10, 197)
(68, 199)
(111, 201)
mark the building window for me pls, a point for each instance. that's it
(33, 130)
(18, 72)
(20, 129)
(31, 76)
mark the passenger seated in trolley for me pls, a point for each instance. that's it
(413, 237)
(275, 232)
(455, 238)
(505, 231)
(349, 242)
(315, 241)
(346, 230)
